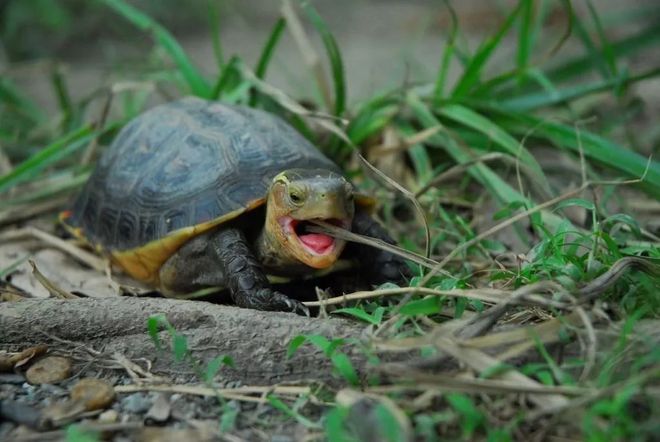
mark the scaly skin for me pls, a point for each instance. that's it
(245, 278)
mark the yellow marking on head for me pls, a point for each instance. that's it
(282, 177)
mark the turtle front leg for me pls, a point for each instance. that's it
(245, 277)
(379, 265)
(223, 258)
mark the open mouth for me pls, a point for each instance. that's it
(315, 243)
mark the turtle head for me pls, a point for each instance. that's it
(299, 196)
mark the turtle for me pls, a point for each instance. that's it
(196, 193)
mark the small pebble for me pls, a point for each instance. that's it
(49, 370)
(108, 417)
(11, 378)
(95, 394)
(53, 390)
(136, 403)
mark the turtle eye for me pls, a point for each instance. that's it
(296, 196)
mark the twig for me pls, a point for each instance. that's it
(324, 120)
(528, 212)
(597, 286)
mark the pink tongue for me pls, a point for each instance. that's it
(317, 241)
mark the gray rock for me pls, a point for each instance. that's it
(137, 403)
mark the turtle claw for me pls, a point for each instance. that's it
(292, 305)
(298, 308)
(268, 299)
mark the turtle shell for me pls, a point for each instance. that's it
(178, 170)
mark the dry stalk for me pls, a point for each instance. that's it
(487, 295)
(504, 224)
(347, 235)
(54, 290)
(420, 380)
(324, 120)
(307, 51)
(458, 170)
(239, 393)
(87, 258)
(591, 344)
(406, 193)
(5, 163)
(480, 362)
(402, 145)
(23, 212)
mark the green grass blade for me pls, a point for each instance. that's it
(526, 34)
(606, 49)
(503, 87)
(370, 118)
(63, 97)
(267, 54)
(624, 47)
(447, 54)
(228, 79)
(506, 142)
(483, 174)
(334, 56)
(473, 71)
(551, 97)
(197, 83)
(595, 147)
(593, 52)
(269, 48)
(47, 156)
